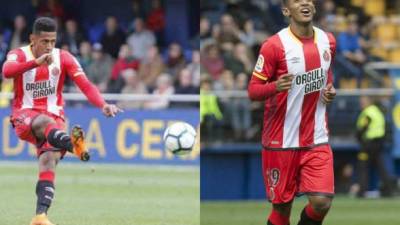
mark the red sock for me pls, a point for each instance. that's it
(312, 214)
(278, 219)
(46, 175)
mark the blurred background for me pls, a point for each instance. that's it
(143, 56)
(367, 63)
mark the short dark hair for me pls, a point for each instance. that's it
(45, 24)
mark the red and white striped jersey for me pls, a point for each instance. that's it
(41, 86)
(296, 118)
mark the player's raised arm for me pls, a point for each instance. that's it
(16, 64)
(74, 70)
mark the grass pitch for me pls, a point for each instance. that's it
(95, 194)
(345, 211)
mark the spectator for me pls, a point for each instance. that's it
(133, 85)
(350, 58)
(151, 67)
(156, 21)
(113, 37)
(164, 88)
(185, 84)
(72, 36)
(137, 9)
(205, 31)
(371, 136)
(210, 113)
(50, 8)
(125, 61)
(20, 33)
(156, 18)
(212, 61)
(240, 61)
(100, 69)
(85, 55)
(241, 112)
(226, 83)
(141, 39)
(85, 59)
(194, 68)
(247, 35)
(175, 60)
(229, 32)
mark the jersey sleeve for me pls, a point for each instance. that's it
(267, 61)
(76, 73)
(332, 45)
(261, 86)
(16, 64)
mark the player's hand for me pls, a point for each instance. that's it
(110, 110)
(46, 58)
(328, 94)
(284, 82)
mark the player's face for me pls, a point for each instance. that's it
(43, 43)
(301, 11)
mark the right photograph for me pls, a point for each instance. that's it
(300, 112)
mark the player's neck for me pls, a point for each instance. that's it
(301, 30)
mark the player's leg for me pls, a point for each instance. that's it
(315, 211)
(45, 186)
(279, 170)
(280, 214)
(364, 159)
(388, 182)
(317, 181)
(47, 129)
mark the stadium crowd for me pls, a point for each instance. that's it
(119, 56)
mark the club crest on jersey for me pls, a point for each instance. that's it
(55, 71)
(326, 56)
(312, 81)
(260, 64)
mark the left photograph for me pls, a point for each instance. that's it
(99, 109)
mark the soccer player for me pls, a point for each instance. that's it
(293, 76)
(39, 71)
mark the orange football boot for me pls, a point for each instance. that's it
(78, 143)
(41, 219)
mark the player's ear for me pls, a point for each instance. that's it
(285, 11)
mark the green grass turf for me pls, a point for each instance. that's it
(95, 194)
(345, 211)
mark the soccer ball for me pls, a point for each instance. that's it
(179, 138)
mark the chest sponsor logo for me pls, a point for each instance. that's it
(40, 89)
(312, 81)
